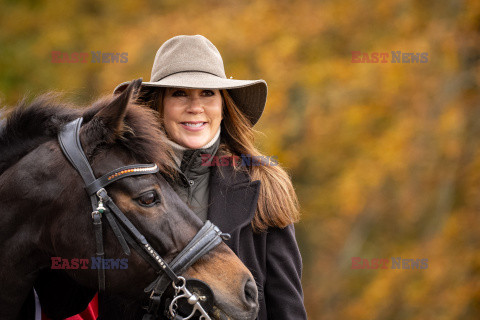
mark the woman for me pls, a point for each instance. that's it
(207, 116)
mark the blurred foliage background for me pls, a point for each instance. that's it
(385, 157)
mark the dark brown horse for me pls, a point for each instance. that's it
(45, 211)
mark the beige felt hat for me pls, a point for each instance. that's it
(193, 62)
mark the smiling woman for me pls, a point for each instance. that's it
(191, 117)
(206, 115)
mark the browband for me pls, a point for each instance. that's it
(112, 176)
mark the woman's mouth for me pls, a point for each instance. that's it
(193, 125)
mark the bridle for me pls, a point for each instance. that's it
(192, 292)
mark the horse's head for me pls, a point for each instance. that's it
(116, 133)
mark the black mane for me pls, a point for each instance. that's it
(28, 126)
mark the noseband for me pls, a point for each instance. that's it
(207, 238)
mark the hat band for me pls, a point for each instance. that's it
(185, 71)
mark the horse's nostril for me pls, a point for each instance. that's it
(251, 293)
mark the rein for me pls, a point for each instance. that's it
(207, 238)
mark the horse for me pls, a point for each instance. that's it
(46, 215)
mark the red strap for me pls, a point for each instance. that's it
(90, 313)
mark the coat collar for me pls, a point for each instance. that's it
(233, 198)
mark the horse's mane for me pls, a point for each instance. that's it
(28, 126)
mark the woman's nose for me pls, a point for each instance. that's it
(195, 105)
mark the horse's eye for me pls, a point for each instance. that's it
(148, 199)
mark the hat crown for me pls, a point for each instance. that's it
(187, 54)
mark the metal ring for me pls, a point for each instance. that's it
(182, 286)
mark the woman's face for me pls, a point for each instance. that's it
(192, 116)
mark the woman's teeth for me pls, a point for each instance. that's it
(195, 125)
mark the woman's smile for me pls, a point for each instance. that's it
(194, 125)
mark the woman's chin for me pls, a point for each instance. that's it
(195, 144)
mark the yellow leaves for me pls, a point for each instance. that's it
(352, 194)
(451, 130)
(278, 61)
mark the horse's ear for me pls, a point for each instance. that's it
(108, 123)
(112, 115)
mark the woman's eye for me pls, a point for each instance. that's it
(179, 93)
(148, 199)
(208, 93)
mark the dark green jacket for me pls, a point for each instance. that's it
(194, 176)
(229, 198)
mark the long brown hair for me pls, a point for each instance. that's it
(277, 204)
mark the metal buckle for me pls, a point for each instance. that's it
(99, 192)
(95, 213)
(100, 208)
(152, 294)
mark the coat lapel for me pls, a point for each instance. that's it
(233, 198)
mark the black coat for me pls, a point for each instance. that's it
(272, 257)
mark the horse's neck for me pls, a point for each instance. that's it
(20, 235)
(20, 222)
(28, 190)
(19, 256)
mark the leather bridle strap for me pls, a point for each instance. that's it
(69, 141)
(117, 174)
(207, 238)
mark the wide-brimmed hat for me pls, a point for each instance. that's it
(193, 62)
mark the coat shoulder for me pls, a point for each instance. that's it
(233, 198)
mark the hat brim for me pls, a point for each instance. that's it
(250, 96)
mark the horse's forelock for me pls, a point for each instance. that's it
(141, 134)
